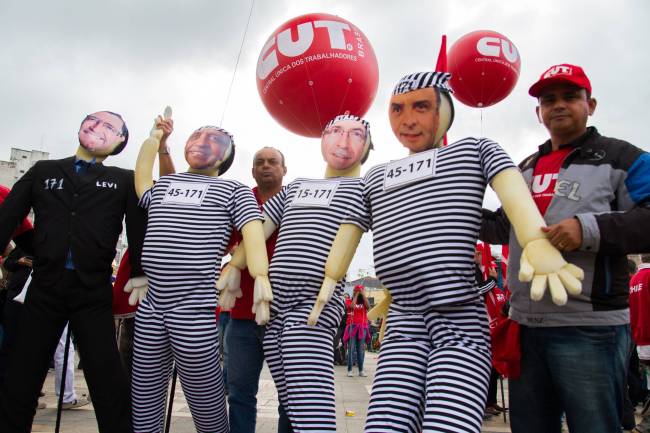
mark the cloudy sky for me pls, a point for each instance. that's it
(59, 63)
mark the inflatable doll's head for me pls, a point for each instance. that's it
(421, 111)
(210, 148)
(346, 142)
(103, 133)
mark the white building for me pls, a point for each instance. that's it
(19, 162)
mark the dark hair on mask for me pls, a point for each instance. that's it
(225, 165)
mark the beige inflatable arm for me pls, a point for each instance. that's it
(381, 310)
(541, 262)
(229, 282)
(341, 253)
(258, 267)
(147, 157)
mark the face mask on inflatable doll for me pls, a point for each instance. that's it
(210, 148)
(103, 133)
(346, 142)
(421, 111)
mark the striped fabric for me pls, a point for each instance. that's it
(301, 361)
(341, 117)
(425, 232)
(305, 236)
(301, 357)
(185, 242)
(433, 371)
(190, 338)
(422, 80)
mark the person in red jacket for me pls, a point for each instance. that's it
(244, 337)
(357, 330)
(640, 324)
(640, 303)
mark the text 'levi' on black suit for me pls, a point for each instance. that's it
(80, 213)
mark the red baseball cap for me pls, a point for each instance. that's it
(563, 73)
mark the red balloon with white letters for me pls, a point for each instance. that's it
(314, 67)
(484, 68)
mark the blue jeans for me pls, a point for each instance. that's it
(224, 321)
(356, 344)
(244, 341)
(576, 370)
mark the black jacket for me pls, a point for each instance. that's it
(78, 212)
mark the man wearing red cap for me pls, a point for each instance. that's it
(594, 193)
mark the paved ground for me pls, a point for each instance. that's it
(352, 394)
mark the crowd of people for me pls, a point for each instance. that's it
(562, 324)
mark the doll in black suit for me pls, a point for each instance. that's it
(79, 204)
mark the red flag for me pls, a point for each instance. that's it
(441, 66)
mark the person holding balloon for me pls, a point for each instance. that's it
(594, 192)
(425, 214)
(298, 348)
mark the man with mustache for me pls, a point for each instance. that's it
(244, 336)
(594, 192)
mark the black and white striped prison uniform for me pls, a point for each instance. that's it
(301, 357)
(191, 217)
(434, 363)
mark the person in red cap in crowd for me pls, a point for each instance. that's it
(594, 194)
(357, 331)
(640, 324)
(23, 237)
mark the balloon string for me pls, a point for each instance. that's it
(482, 122)
(236, 63)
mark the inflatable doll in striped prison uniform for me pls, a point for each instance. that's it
(425, 214)
(190, 218)
(308, 213)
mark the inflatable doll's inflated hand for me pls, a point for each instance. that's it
(324, 295)
(229, 285)
(381, 309)
(137, 287)
(262, 297)
(157, 131)
(542, 263)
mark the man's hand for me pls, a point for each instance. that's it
(492, 272)
(137, 287)
(262, 297)
(167, 127)
(324, 295)
(542, 263)
(565, 235)
(229, 284)
(25, 261)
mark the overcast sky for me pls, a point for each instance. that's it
(62, 60)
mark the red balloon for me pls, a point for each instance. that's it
(314, 67)
(484, 68)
